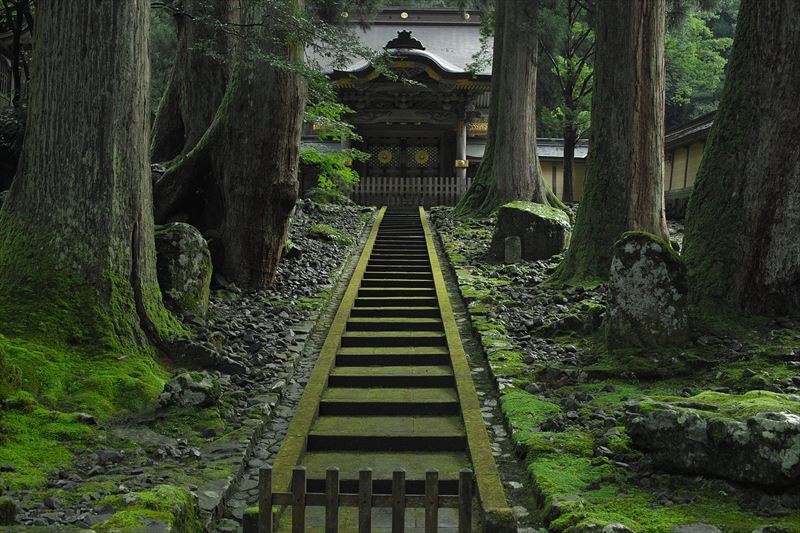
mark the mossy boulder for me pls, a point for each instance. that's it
(647, 304)
(184, 268)
(543, 230)
(720, 435)
(164, 508)
(191, 389)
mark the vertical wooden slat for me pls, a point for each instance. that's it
(332, 500)
(465, 501)
(265, 500)
(298, 499)
(365, 501)
(431, 501)
(398, 501)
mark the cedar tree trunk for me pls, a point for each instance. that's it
(77, 254)
(743, 220)
(510, 167)
(624, 187)
(261, 143)
(198, 79)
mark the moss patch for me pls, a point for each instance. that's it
(328, 233)
(168, 504)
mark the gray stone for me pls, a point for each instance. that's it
(763, 449)
(647, 304)
(696, 528)
(191, 389)
(543, 231)
(184, 268)
(513, 252)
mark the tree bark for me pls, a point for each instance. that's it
(510, 166)
(624, 187)
(77, 254)
(743, 219)
(261, 143)
(198, 79)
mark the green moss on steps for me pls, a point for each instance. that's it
(739, 407)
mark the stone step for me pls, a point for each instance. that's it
(366, 356)
(340, 401)
(394, 301)
(394, 324)
(382, 338)
(387, 433)
(398, 283)
(383, 464)
(413, 269)
(391, 376)
(397, 274)
(382, 292)
(395, 312)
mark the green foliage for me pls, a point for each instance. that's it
(336, 176)
(695, 66)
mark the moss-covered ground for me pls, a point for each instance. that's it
(564, 395)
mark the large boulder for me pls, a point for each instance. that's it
(184, 268)
(191, 389)
(543, 230)
(647, 304)
(700, 438)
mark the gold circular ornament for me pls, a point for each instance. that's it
(384, 157)
(422, 157)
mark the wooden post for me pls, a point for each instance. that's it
(332, 500)
(431, 501)
(265, 500)
(461, 155)
(398, 501)
(365, 501)
(465, 501)
(298, 499)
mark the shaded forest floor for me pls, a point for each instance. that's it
(73, 456)
(567, 399)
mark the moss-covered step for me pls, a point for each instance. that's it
(382, 464)
(397, 274)
(399, 312)
(395, 301)
(392, 338)
(387, 433)
(398, 283)
(384, 292)
(393, 356)
(392, 376)
(388, 401)
(394, 324)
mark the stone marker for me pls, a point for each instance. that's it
(184, 268)
(513, 249)
(543, 231)
(647, 304)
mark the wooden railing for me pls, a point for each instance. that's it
(409, 191)
(332, 500)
